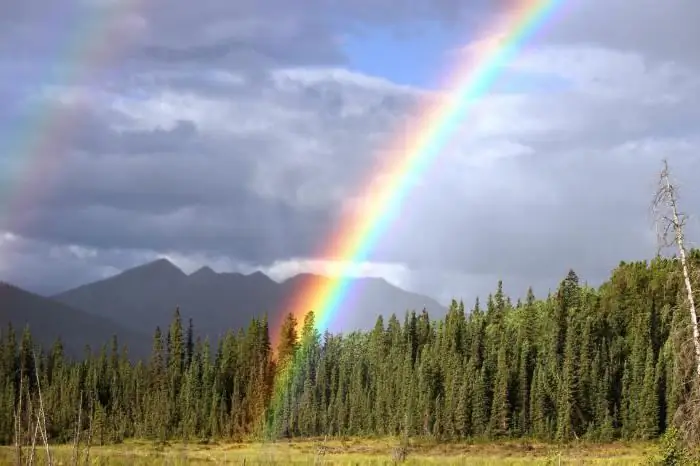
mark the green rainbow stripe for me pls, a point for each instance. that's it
(359, 232)
(33, 148)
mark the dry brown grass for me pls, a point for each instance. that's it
(353, 452)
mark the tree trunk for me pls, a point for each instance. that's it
(666, 194)
(686, 278)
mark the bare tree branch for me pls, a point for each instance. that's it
(76, 441)
(670, 229)
(41, 412)
(18, 420)
(665, 206)
(36, 431)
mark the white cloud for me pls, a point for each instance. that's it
(602, 73)
(504, 181)
(165, 109)
(241, 150)
(396, 274)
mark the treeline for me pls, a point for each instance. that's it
(582, 363)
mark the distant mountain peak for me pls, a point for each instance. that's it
(161, 262)
(49, 319)
(158, 267)
(205, 271)
(146, 296)
(371, 279)
(260, 277)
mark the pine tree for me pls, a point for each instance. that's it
(500, 410)
(503, 372)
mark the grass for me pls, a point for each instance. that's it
(351, 452)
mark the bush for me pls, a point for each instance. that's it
(673, 453)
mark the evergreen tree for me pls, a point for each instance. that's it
(596, 362)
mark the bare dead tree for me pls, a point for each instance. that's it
(29, 416)
(669, 225)
(18, 420)
(42, 414)
(89, 437)
(76, 441)
(36, 430)
(18, 453)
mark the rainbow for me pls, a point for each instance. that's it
(35, 143)
(360, 230)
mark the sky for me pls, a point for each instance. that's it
(234, 135)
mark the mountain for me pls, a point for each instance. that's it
(49, 319)
(368, 298)
(146, 296)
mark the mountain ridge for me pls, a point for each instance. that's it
(49, 320)
(146, 296)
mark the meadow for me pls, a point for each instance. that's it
(581, 364)
(350, 452)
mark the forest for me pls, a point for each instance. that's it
(581, 363)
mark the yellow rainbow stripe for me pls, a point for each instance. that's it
(35, 146)
(360, 230)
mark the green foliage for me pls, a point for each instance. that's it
(672, 451)
(581, 363)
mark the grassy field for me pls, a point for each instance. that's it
(351, 452)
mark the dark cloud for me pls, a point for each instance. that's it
(231, 130)
(253, 230)
(259, 190)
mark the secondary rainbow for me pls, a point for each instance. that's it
(412, 155)
(34, 145)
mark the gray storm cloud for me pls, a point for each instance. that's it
(246, 138)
